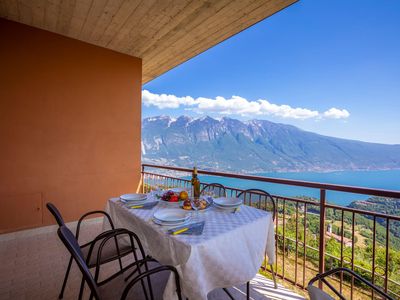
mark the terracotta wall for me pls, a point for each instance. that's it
(69, 125)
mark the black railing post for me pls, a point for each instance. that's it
(322, 200)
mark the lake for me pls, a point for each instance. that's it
(389, 180)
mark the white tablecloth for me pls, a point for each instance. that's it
(229, 252)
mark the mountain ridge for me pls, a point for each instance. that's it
(256, 146)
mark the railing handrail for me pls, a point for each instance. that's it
(308, 184)
(309, 202)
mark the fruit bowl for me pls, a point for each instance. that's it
(174, 197)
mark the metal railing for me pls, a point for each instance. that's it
(298, 250)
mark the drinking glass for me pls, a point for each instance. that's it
(209, 196)
(195, 202)
(157, 191)
(209, 193)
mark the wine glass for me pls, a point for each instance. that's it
(208, 193)
(196, 204)
(209, 196)
(157, 190)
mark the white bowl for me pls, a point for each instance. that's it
(133, 197)
(228, 202)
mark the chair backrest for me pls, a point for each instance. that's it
(148, 275)
(56, 213)
(216, 189)
(263, 199)
(70, 242)
(316, 294)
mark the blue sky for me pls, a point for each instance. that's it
(331, 67)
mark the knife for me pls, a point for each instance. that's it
(182, 229)
(145, 205)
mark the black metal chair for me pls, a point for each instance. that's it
(215, 189)
(110, 253)
(316, 293)
(266, 202)
(261, 198)
(120, 285)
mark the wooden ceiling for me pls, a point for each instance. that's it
(164, 33)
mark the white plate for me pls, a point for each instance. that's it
(133, 197)
(227, 202)
(180, 223)
(226, 207)
(171, 215)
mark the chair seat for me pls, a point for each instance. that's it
(317, 294)
(109, 252)
(114, 288)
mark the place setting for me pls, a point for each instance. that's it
(178, 221)
(184, 219)
(137, 201)
(171, 217)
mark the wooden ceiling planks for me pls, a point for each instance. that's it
(164, 33)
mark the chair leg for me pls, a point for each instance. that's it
(228, 293)
(81, 288)
(65, 278)
(144, 290)
(273, 277)
(148, 281)
(247, 291)
(118, 253)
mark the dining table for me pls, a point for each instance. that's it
(228, 252)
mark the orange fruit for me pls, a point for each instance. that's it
(183, 195)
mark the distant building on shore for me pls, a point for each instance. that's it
(346, 241)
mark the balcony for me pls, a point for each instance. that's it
(34, 260)
(302, 249)
(70, 122)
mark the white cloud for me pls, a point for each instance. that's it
(234, 106)
(286, 111)
(237, 105)
(335, 113)
(165, 101)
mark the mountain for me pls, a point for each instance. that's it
(256, 146)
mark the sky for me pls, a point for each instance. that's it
(326, 66)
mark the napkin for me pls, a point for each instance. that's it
(192, 229)
(148, 205)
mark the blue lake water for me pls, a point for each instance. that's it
(389, 180)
